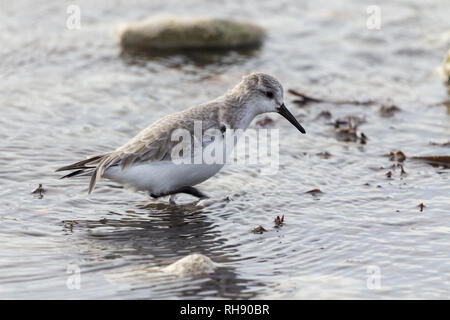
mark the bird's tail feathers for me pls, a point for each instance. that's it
(82, 164)
(88, 167)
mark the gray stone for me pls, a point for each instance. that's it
(192, 264)
(189, 33)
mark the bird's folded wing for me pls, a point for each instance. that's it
(147, 146)
(152, 144)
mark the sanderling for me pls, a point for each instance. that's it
(146, 162)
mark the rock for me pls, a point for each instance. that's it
(170, 33)
(446, 67)
(191, 264)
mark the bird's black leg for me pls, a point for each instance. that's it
(186, 189)
(190, 190)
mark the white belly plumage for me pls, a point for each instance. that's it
(162, 177)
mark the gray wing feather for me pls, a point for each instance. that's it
(154, 142)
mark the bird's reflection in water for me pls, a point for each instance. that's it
(157, 234)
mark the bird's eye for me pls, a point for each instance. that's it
(269, 94)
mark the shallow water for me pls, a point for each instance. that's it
(66, 94)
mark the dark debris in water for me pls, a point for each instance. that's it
(259, 230)
(279, 221)
(444, 103)
(363, 138)
(421, 206)
(398, 156)
(388, 111)
(402, 172)
(324, 155)
(304, 99)
(346, 134)
(314, 191)
(350, 121)
(442, 144)
(394, 167)
(69, 224)
(349, 133)
(435, 160)
(324, 114)
(39, 191)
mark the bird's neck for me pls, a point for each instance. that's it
(238, 113)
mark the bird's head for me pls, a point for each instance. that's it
(263, 93)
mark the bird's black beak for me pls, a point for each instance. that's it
(285, 113)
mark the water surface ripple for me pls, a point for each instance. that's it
(66, 94)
